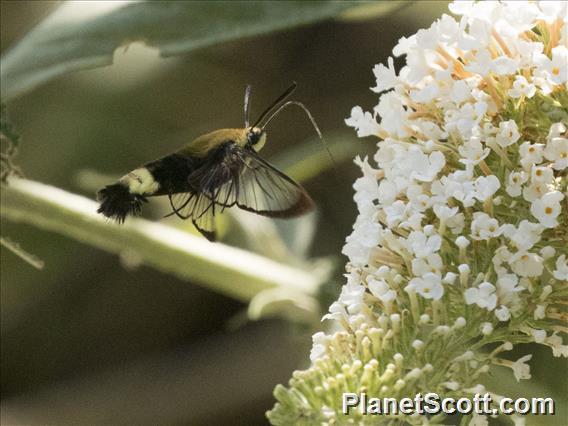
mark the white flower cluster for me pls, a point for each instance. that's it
(461, 238)
(465, 175)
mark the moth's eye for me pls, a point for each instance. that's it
(254, 136)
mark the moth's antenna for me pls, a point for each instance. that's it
(283, 96)
(310, 117)
(247, 103)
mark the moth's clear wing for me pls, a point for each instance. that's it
(199, 208)
(259, 187)
(206, 224)
(238, 176)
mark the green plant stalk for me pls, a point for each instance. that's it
(227, 270)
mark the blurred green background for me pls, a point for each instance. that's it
(93, 339)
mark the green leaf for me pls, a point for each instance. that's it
(80, 35)
(372, 10)
(309, 159)
(278, 303)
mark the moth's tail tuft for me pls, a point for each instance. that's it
(117, 202)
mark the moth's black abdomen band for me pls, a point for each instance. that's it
(117, 202)
(171, 173)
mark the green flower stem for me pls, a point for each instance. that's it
(230, 271)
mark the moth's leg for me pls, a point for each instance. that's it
(177, 210)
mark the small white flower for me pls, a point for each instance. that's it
(427, 94)
(417, 344)
(503, 65)
(527, 51)
(484, 227)
(508, 133)
(431, 263)
(429, 230)
(539, 312)
(559, 64)
(383, 272)
(556, 150)
(535, 190)
(525, 236)
(427, 38)
(486, 328)
(515, 181)
(531, 154)
(507, 288)
(417, 198)
(483, 296)
(526, 264)
(388, 153)
(543, 83)
(450, 278)
(460, 92)
(421, 245)
(502, 255)
(561, 271)
(337, 312)
(366, 187)
(404, 45)
(393, 114)
(319, 346)
(457, 185)
(363, 122)
(521, 87)
(429, 286)
(542, 175)
(473, 152)
(387, 192)
(538, 335)
(396, 213)
(547, 252)
(556, 130)
(462, 242)
(352, 295)
(448, 29)
(381, 290)
(555, 68)
(425, 168)
(555, 342)
(483, 64)
(547, 208)
(364, 237)
(521, 370)
(486, 187)
(444, 212)
(386, 77)
(502, 313)
(549, 11)
(456, 223)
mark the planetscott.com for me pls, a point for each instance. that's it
(432, 403)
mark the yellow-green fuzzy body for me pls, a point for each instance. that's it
(204, 144)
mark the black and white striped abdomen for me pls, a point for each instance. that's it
(167, 175)
(170, 174)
